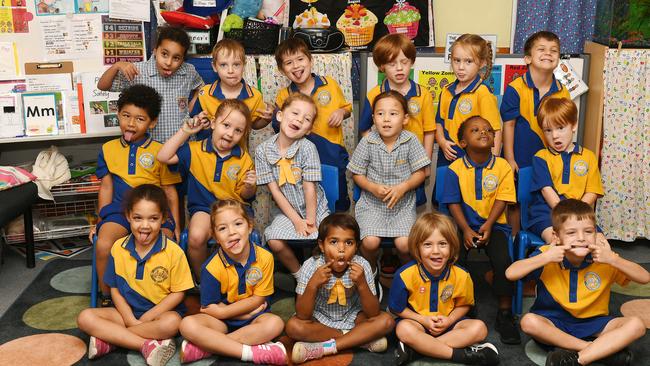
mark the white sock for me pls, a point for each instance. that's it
(295, 274)
(246, 353)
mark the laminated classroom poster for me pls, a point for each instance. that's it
(494, 80)
(123, 40)
(99, 106)
(43, 113)
(435, 81)
(8, 60)
(54, 7)
(75, 37)
(14, 19)
(91, 6)
(512, 72)
(11, 121)
(565, 73)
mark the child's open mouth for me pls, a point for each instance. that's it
(128, 135)
(298, 74)
(231, 244)
(294, 127)
(143, 236)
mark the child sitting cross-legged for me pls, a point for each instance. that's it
(574, 277)
(336, 308)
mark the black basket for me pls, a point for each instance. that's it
(257, 37)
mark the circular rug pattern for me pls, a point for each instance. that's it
(430, 361)
(284, 308)
(632, 289)
(74, 281)
(535, 353)
(135, 359)
(638, 308)
(62, 349)
(56, 314)
(526, 304)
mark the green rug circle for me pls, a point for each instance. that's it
(74, 281)
(284, 281)
(284, 308)
(135, 359)
(56, 314)
(535, 353)
(526, 304)
(632, 289)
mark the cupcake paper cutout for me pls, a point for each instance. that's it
(311, 18)
(403, 18)
(357, 25)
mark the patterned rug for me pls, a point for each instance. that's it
(40, 327)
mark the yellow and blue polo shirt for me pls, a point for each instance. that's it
(211, 177)
(145, 282)
(414, 287)
(571, 174)
(224, 280)
(520, 103)
(130, 165)
(477, 186)
(211, 96)
(568, 292)
(420, 105)
(456, 106)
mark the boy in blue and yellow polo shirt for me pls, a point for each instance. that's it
(295, 62)
(477, 189)
(563, 169)
(125, 163)
(574, 276)
(228, 61)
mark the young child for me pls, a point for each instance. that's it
(466, 97)
(228, 61)
(295, 62)
(148, 274)
(388, 165)
(175, 80)
(522, 137)
(216, 168)
(127, 162)
(237, 282)
(563, 169)
(478, 187)
(288, 163)
(431, 297)
(336, 307)
(574, 276)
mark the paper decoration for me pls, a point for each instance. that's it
(11, 121)
(67, 38)
(130, 10)
(403, 18)
(15, 19)
(100, 107)
(435, 81)
(8, 60)
(494, 80)
(123, 40)
(512, 72)
(42, 113)
(570, 78)
(357, 24)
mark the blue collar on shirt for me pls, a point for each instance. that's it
(577, 149)
(414, 90)
(565, 264)
(318, 82)
(144, 142)
(475, 84)
(555, 87)
(245, 93)
(227, 261)
(488, 164)
(158, 246)
(426, 276)
(208, 147)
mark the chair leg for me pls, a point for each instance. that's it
(30, 256)
(93, 278)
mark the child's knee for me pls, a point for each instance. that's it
(637, 327)
(274, 324)
(170, 321)
(197, 240)
(406, 331)
(276, 245)
(529, 323)
(294, 328)
(188, 326)
(85, 318)
(478, 329)
(384, 321)
(402, 245)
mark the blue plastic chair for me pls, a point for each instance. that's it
(441, 174)
(94, 284)
(330, 184)
(525, 239)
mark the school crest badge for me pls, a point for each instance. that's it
(159, 274)
(592, 281)
(146, 160)
(490, 183)
(465, 106)
(253, 276)
(324, 97)
(414, 107)
(233, 171)
(446, 293)
(581, 168)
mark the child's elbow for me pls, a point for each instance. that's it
(510, 275)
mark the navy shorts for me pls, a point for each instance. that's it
(113, 213)
(451, 327)
(579, 328)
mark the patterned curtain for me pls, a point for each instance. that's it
(624, 211)
(572, 20)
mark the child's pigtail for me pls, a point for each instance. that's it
(488, 61)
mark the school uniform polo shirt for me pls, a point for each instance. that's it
(133, 164)
(145, 282)
(414, 287)
(571, 174)
(520, 103)
(420, 105)
(566, 292)
(456, 106)
(477, 186)
(224, 280)
(211, 177)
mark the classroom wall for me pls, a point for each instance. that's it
(473, 16)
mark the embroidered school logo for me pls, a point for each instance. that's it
(592, 281)
(465, 106)
(297, 173)
(490, 182)
(233, 171)
(581, 168)
(201, 92)
(253, 276)
(414, 107)
(324, 97)
(446, 293)
(159, 274)
(146, 160)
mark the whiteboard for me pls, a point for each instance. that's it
(435, 61)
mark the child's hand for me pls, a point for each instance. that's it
(266, 113)
(322, 275)
(91, 234)
(250, 178)
(311, 226)
(128, 70)
(555, 254)
(301, 227)
(196, 123)
(132, 322)
(602, 252)
(468, 238)
(485, 231)
(395, 193)
(440, 324)
(513, 165)
(448, 150)
(357, 274)
(336, 118)
(247, 316)
(214, 310)
(379, 191)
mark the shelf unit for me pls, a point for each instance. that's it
(69, 136)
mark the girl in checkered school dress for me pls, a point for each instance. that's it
(388, 165)
(289, 164)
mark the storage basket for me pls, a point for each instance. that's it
(257, 37)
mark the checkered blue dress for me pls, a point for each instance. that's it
(372, 159)
(306, 162)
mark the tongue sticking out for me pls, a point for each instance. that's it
(142, 237)
(128, 135)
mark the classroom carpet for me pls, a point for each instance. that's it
(40, 327)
